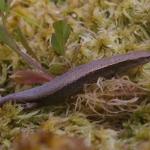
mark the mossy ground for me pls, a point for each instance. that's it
(111, 114)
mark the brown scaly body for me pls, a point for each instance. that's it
(72, 81)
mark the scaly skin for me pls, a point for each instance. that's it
(72, 82)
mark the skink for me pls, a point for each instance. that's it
(71, 82)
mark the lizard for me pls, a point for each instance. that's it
(71, 82)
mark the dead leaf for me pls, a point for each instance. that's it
(30, 77)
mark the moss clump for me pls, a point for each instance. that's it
(13, 120)
(100, 28)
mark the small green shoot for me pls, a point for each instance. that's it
(4, 9)
(3, 6)
(60, 37)
(5, 38)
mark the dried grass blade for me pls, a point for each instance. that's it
(7, 39)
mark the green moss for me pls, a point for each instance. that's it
(138, 125)
(99, 28)
(13, 120)
(143, 133)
